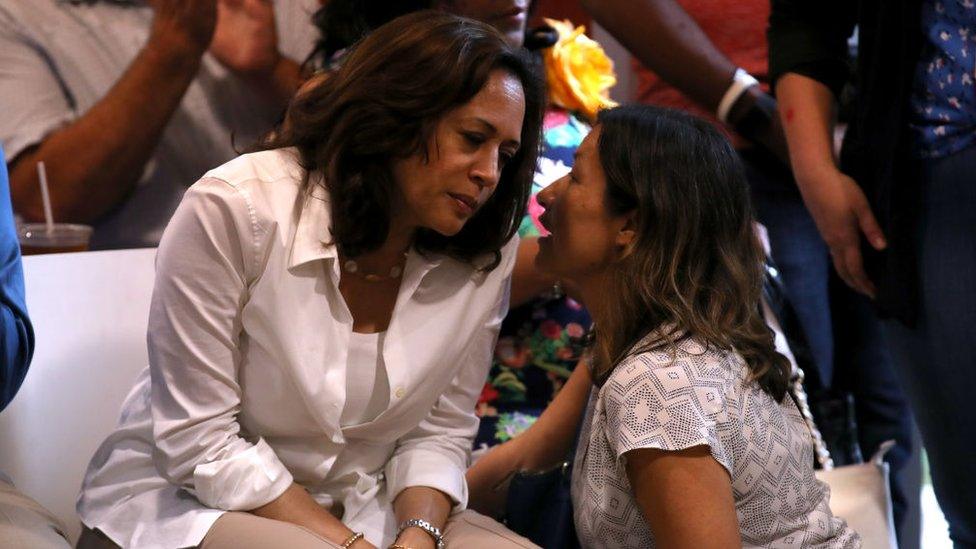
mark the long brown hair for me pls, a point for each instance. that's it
(696, 266)
(384, 103)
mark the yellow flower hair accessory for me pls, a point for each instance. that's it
(578, 71)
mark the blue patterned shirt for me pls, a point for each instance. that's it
(944, 99)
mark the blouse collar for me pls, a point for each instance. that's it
(313, 236)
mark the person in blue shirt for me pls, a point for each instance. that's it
(16, 335)
(23, 522)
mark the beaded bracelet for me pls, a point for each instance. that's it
(356, 536)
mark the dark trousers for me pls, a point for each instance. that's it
(937, 359)
(841, 328)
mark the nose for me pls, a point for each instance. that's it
(546, 196)
(486, 170)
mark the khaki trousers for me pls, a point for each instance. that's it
(465, 530)
(24, 524)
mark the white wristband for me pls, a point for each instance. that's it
(741, 81)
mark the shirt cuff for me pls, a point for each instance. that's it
(243, 481)
(431, 469)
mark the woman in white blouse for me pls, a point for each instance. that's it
(325, 310)
(688, 438)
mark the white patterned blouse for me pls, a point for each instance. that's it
(685, 396)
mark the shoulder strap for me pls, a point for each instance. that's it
(799, 397)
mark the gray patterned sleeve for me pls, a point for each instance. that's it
(653, 400)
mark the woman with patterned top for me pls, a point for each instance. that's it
(541, 338)
(689, 438)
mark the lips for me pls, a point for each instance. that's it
(468, 203)
(545, 223)
(516, 12)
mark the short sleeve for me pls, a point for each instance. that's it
(671, 407)
(810, 38)
(34, 98)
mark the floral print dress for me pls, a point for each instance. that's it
(541, 341)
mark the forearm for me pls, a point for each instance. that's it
(296, 506)
(94, 162)
(836, 202)
(555, 430)
(807, 110)
(488, 478)
(421, 502)
(668, 41)
(546, 443)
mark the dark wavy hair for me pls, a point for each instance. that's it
(384, 103)
(342, 23)
(696, 267)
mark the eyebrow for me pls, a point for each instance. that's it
(494, 131)
(579, 153)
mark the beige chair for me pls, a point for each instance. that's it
(89, 312)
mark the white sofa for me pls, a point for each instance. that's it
(89, 312)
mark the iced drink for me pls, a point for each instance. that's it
(64, 237)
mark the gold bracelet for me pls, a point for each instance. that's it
(398, 546)
(356, 536)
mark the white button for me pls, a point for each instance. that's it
(399, 392)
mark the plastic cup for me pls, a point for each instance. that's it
(65, 237)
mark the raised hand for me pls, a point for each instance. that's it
(245, 39)
(186, 26)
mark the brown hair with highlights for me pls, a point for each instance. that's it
(696, 267)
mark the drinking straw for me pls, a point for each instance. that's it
(45, 197)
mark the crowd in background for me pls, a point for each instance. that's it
(128, 104)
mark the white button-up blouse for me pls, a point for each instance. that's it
(248, 335)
